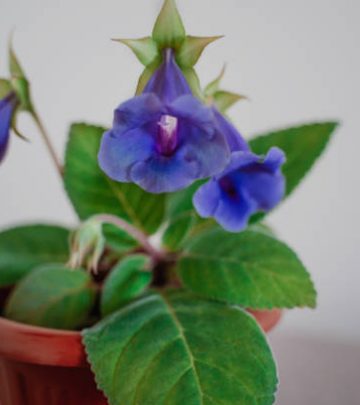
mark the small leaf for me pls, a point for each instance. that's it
(169, 31)
(126, 281)
(53, 297)
(177, 230)
(26, 247)
(92, 192)
(177, 349)
(145, 49)
(225, 99)
(302, 146)
(191, 50)
(250, 269)
(5, 88)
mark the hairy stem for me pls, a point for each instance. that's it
(140, 236)
(48, 143)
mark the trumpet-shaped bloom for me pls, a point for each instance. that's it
(164, 139)
(7, 107)
(249, 184)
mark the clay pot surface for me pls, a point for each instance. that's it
(40, 366)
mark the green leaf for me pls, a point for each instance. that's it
(193, 81)
(176, 349)
(26, 247)
(191, 50)
(52, 296)
(181, 202)
(251, 269)
(169, 31)
(225, 99)
(145, 49)
(5, 88)
(92, 192)
(302, 145)
(126, 281)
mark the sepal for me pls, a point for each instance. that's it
(191, 50)
(5, 88)
(145, 49)
(169, 31)
(19, 82)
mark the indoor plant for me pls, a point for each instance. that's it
(173, 330)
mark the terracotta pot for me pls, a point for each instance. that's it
(40, 366)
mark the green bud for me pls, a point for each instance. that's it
(87, 245)
(14, 65)
(169, 31)
(191, 50)
(145, 49)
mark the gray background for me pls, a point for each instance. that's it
(296, 60)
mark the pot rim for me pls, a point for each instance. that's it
(63, 348)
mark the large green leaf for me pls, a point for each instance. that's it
(52, 296)
(25, 247)
(127, 280)
(92, 192)
(177, 230)
(176, 349)
(302, 145)
(251, 269)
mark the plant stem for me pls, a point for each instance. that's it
(141, 237)
(47, 142)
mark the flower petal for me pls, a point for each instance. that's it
(137, 112)
(7, 106)
(207, 198)
(168, 81)
(118, 152)
(161, 174)
(235, 141)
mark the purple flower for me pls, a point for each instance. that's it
(164, 139)
(249, 184)
(7, 107)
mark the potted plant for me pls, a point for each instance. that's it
(162, 293)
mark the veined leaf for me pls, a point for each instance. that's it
(251, 269)
(92, 192)
(176, 349)
(26, 247)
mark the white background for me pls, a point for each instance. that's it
(297, 60)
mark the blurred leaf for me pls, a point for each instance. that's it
(225, 99)
(250, 269)
(177, 349)
(302, 145)
(92, 192)
(177, 230)
(5, 88)
(52, 296)
(26, 247)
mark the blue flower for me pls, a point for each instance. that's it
(7, 107)
(164, 139)
(249, 184)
